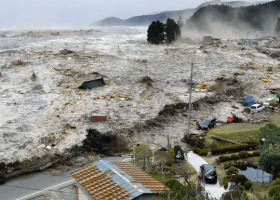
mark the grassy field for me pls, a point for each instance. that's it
(238, 132)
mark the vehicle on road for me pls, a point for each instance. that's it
(256, 108)
(207, 123)
(208, 173)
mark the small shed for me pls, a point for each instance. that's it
(248, 101)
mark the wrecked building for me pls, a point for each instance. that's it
(208, 40)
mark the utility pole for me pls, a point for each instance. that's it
(190, 103)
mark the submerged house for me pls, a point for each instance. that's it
(106, 180)
(208, 40)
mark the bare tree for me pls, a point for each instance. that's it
(163, 159)
(143, 155)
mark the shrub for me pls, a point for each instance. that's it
(241, 187)
(247, 185)
(232, 170)
(276, 182)
(225, 181)
(250, 154)
(196, 150)
(240, 179)
(234, 156)
(201, 152)
(274, 190)
(235, 195)
(224, 158)
(233, 149)
(243, 154)
(178, 148)
(256, 153)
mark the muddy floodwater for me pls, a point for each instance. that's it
(41, 103)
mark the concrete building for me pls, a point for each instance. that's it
(106, 180)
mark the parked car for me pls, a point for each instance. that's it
(207, 123)
(268, 101)
(208, 173)
(256, 108)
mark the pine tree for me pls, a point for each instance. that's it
(156, 33)
(172, 30)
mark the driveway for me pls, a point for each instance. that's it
(196, 161)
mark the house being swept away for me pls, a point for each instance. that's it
(208, 40)
(106, 180)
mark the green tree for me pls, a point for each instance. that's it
(270, 161)
(143, 155)
(271, 135)
(178, 148)
(277, 28)
(156, 33)
(172, 30)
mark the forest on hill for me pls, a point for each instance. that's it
(216, 18)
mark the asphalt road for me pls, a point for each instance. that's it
(39, 183)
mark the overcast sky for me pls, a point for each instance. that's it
(35, 13)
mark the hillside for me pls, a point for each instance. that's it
(162, 16)
(214, 18)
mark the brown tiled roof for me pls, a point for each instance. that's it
(141, 177)
(98, 185)
(106, 180)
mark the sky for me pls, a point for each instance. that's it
(79, 13)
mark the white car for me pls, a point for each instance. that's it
(267, 102)
(256, 108)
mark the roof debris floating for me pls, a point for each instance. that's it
(92, 84)
(16, 62)
(66, 52)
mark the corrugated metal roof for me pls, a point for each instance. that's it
(105, 180)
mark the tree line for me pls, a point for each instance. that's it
(259, 17)
(160, 33)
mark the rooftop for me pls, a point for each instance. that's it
(105, 180)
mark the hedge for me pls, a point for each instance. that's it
(234, 156)
(274, 190)
(240, 179)
(247, 185)
(256, 153)
(201, 152)
(250, 154)
(233, 149)
(232, 170)
(234, 195)
(276, 182)
(243, 154)
(224, 158)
